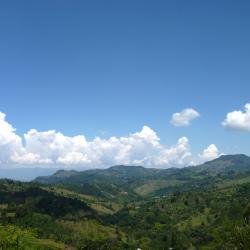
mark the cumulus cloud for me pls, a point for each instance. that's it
(53, 148)
(238, 120)
(210, 153)
(9, 141)
(179, 154)
(184, 117)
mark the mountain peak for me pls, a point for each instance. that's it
(64, 173)
(226, 163)
(232, 157)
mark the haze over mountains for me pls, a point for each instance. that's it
(25, 174)
(30, 173)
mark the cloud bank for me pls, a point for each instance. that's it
(184, 118)
(52, 148)
(238, 120)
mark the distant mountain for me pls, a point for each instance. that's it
(137, 180)
(123, 174)
(112, 182)
(119, 174)
(225, 164)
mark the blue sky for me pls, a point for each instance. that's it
(108, 68)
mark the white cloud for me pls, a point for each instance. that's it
(179, 154)
(210, 153)
(9, 141)
(29, 158)
(238, 120)
(184, 117)
(53, 148)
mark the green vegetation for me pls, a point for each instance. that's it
(205, 207)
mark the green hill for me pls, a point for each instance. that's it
(136, 180)
(203, 207)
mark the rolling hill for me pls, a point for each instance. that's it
(137, 180)
(203, 207)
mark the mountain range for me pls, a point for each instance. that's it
(203, 207)
(137, 180)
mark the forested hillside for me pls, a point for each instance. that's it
(129, 207)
